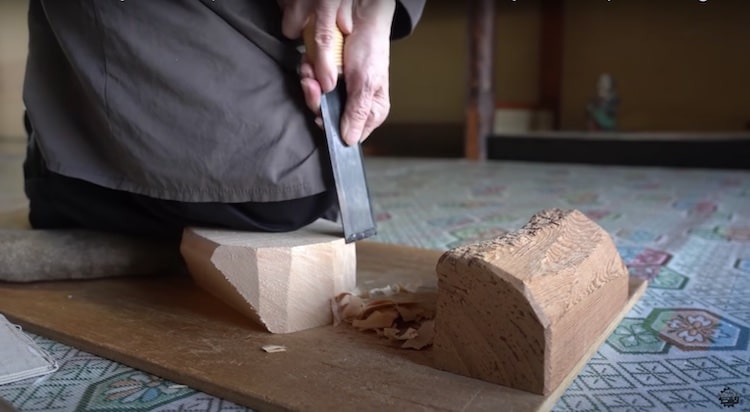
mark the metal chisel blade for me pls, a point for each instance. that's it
(348, 170)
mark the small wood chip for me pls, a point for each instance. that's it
(393, 334)
(273, 348)
(346, 307)
(424, 338)
(412, 313)
(389, 290)
(377, 320)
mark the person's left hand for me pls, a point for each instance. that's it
(366, 25)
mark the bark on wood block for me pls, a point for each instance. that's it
(284, 281)
(522, 309)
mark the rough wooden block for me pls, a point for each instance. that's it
(522, 309)
(284, 281)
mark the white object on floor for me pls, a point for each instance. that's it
(512, 120)
(20, 357)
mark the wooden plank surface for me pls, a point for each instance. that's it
(171, 328)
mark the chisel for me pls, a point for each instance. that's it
(346, 161)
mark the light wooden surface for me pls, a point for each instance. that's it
(283, 281)
(170, 327)
(522, 310)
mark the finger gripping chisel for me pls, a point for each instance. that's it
(346, 161)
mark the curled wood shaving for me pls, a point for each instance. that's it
(346, 307)
(395, 312)
(376, 305)
(413, 313)
(378, 319)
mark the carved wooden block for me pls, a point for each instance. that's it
(284, 281)
(523, 309)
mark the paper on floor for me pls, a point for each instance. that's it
(20, 357)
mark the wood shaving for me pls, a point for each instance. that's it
(389, 290)
(396, 312)
(346, 307)
(393, 334)
(425, 335)
(378, 319)
(377, 305)
(413, 313)
(273, 348)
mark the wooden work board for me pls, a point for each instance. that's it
(169, 327)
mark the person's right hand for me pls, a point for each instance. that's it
(327, 15)
(366, 25)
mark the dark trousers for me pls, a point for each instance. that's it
(58, 201)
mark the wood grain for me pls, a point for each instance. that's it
(284, 281)
(170, 327)
(523, 309)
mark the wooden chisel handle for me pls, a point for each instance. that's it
(311, 48)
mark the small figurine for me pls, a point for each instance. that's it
(602, 109)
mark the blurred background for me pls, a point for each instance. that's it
(13, 43)
(678, 66)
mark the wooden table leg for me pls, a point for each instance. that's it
(480, 105)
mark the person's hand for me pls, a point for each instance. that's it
(328, 15)
(366, 25)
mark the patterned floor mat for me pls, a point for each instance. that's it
(684, 346)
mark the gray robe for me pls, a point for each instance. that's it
(193, 101)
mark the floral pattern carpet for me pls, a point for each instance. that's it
(683, 347)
